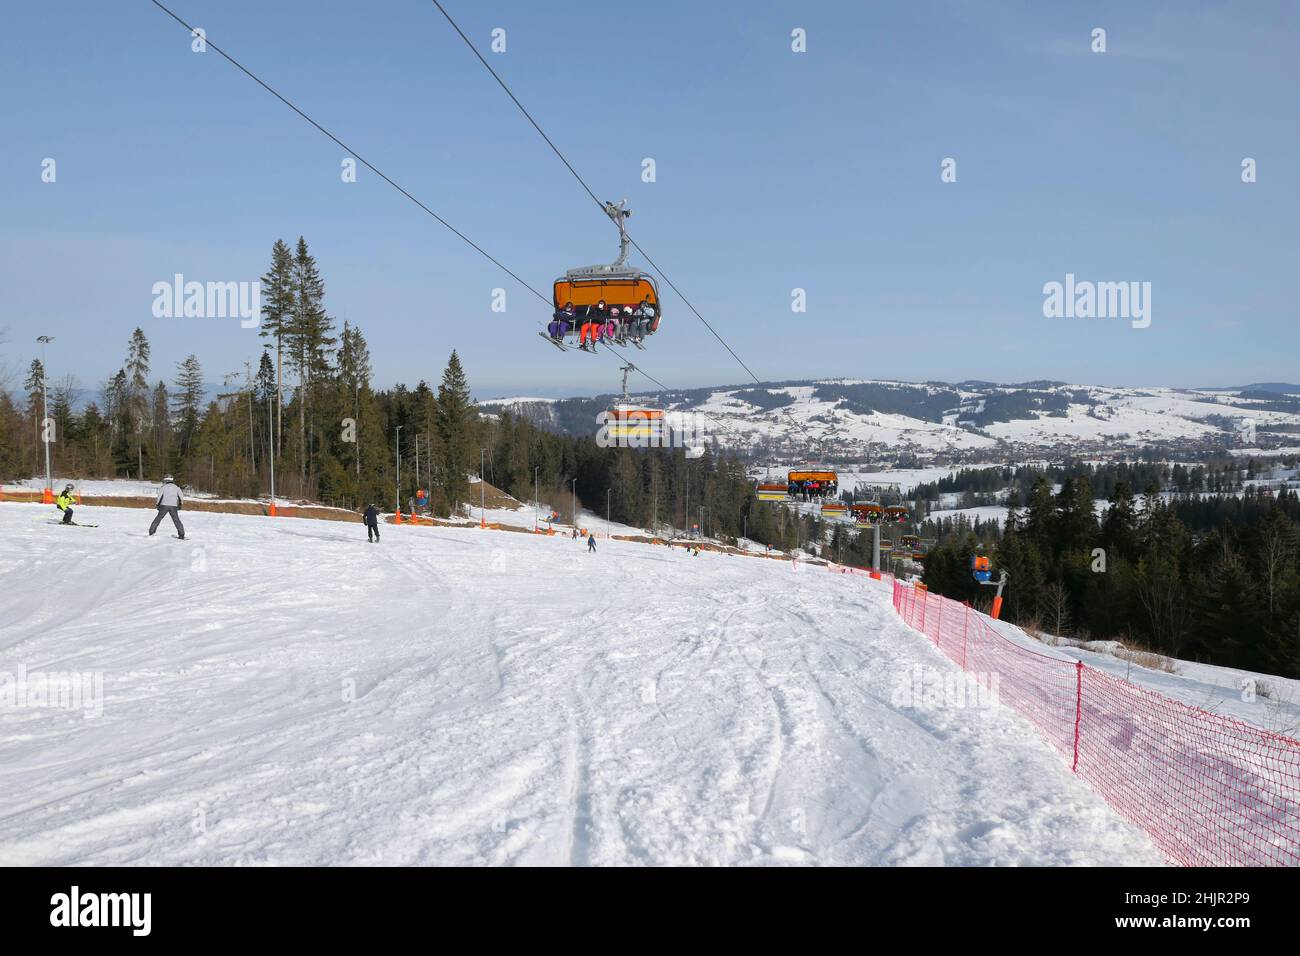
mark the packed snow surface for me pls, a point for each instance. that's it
(282, 692)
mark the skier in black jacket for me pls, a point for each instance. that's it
(371, 518)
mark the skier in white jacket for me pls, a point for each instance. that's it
(169, 503)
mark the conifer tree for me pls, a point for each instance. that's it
(278, 305)
(308, 340)
(137, 370)
(33, 385)
(160, 424)
(1119, 526)
(354, 375)
(456, 420)
(187, 401)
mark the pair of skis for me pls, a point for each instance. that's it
(72, 524)
(578, 348)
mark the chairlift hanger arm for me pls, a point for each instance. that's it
(618, 214)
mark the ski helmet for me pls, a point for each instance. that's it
(68, 486)
(167, 477)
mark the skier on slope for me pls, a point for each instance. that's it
(591, 543)
(371, 519)
(64, 503)
(169, 503)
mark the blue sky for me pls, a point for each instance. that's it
(775, 170)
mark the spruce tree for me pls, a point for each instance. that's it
(137, 370)
(278, 304)
(160, 424)
(1040, 516)
(456, 420)
(34, 386)
(354, 375)
(308, 340)
(187, 401)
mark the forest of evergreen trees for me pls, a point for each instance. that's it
(1214, 579)
(1219, 475)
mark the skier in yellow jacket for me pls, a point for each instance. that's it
(64, 503)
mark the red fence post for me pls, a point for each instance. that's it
(1078, 711)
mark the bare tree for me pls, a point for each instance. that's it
(1168, 611)
(1054, 607)
(1276, 557)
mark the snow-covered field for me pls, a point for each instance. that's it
(282, 692)
(1091, 417)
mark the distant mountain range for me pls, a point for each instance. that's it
(1281, 388)
(972, 421)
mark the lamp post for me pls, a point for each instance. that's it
(574, 482)
(608, 492)
(398, 510)
(482, 491)
(270, 425)
(537, 503)
(45, 340)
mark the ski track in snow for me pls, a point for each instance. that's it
(281, 692)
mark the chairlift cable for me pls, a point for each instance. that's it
(391, 182)
(582, 182)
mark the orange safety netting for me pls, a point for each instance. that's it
(1210, 790)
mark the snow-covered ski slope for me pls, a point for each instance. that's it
(282, 692)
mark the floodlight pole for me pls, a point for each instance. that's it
(270, 424)
(398, 456)
(45, 413)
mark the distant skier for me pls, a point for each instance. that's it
(64, 503)
(170, 501)
(371, 518)
(591, 543)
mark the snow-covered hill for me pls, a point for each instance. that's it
(872, 419)
(280, 691)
